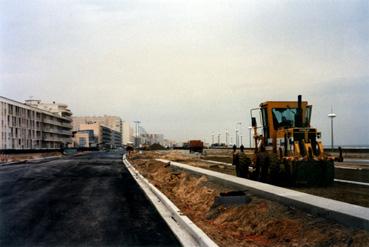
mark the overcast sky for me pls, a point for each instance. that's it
(190, 68)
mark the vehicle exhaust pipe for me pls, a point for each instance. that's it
(299, 116)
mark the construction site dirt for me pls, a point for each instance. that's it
(350, 193)
(261, 222)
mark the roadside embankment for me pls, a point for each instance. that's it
(350, 193)
(260, 222)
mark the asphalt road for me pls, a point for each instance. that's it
(89, 200)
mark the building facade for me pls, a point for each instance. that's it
(84, 139)
(55, 108)
(116, 138)
(104, 137)
(113, 122)
(26, 126)
(150, 139)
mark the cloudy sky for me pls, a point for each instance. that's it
(191, 68)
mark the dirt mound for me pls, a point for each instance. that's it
(259, 223)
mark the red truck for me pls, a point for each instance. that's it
(196, 146)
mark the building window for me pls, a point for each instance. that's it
(82, 141)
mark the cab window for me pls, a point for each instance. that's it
(284, 117)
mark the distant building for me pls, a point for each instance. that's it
(169, 143)
(139, 136)
(141, 130)
(102, 136)
(153, 138)
(116, 138)
(31, 126)
(84, 139)
(128, 133)
(113, 122)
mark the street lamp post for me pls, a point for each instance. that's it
(238, 131)
(236, 138)
(226, 137)
(331, 116)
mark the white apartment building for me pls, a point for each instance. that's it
(30, 126)
(55, 108)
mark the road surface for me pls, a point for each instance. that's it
(88, 200)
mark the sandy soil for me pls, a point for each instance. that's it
(259, 223)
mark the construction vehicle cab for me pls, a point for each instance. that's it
(284, 131)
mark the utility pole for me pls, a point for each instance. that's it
(218, 139)
(212, 139)
(331, 116)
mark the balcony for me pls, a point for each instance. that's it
(57, 123)
(57, 131)
(55, 139)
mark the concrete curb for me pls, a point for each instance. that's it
(351, 182)
(347, 214)
(13, 163)
(184, 229)
(360, 161)
(50, 158)
(217, 162)
(45, 159)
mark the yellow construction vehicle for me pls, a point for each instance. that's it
(291, 151)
